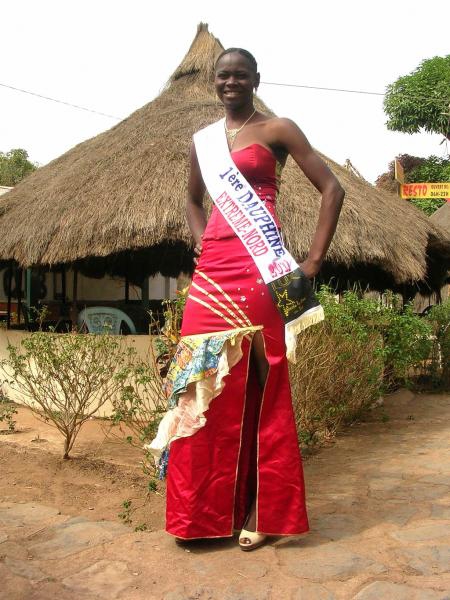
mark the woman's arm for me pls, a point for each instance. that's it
(294, 141)
(195, 211)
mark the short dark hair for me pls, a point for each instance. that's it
(248, 55)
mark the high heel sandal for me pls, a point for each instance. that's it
(255, 539)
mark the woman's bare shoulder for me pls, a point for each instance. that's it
(281, 123)
(282, 130)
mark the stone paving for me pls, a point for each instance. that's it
(379, 503)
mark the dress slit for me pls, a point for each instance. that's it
(247, 472)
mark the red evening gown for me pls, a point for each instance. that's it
(229, 440)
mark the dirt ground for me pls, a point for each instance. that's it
(102, 473)
(378, 499)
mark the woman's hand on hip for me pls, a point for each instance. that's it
(310, 268)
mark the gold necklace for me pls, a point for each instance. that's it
(232, 133)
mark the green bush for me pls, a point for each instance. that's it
(66, 378)
(408, 341)
(362, 349)
(339, 367)
(439, 364)
(406, 337)
(139, 407)
(7, 411)
(141, 404)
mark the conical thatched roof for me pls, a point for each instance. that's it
(125, 189)
(442, 217)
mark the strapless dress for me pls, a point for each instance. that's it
(263, 172)
(231, 441)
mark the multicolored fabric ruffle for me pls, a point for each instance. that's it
(194, 378)
(196, 358)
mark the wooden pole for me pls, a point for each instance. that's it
(19, 275)
(73, 311)
(63, 284)
(127, 289)
(75, 285)
(10, 275)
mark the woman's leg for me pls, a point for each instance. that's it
(259, 360)
(261, 366)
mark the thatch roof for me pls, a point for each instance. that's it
(441, 217)
(125, 189)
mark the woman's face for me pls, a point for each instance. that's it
(235, 80)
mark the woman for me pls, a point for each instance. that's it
(234, 460)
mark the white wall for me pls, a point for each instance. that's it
(140, 342)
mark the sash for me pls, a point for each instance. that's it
(249, 218)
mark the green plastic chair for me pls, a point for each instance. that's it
(104, 319)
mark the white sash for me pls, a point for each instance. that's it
(247, 215)
(240, 205)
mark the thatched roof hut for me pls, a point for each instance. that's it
(125, 190)
(441, 217)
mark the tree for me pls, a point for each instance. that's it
(432, 168)
(14, 166)
(418, 169)
(421, 100)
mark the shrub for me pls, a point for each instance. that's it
(66, 378)
(339, 367)
(139, 406)
(7, 412)
(168, 336)
(142, 403)
(407, 343)
(439, 364)
(406, 337)
(362, 349)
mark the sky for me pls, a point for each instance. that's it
(114, 56)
